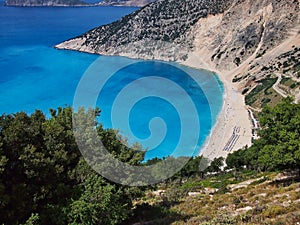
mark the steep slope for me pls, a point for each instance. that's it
(256, 199)
(138, 3)
(247, 28)
(247, 42)
(228, 31)
(155, 31)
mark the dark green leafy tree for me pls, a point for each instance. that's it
(100, 202)
(236, 159)
(281, 135)
(216, 165)
(194, 167)
(44, 179)
(278, 147)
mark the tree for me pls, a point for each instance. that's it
(216, 165)
(195, 166)
(281, 133)
(278, 147)
(236, 159)
(43, 176)
(99, 203)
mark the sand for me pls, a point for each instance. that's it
(233, 129)
(235, 113)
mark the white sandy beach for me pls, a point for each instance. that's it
(234, 115)
(233, 129)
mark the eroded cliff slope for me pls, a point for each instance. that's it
(238, 37)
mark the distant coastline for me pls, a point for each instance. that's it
(24, 6)
(48, 3)
(75, 3)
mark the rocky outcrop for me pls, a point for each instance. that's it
(45, 3)
(237, 37)
(248, 28)
(157, 31)
(227, 31)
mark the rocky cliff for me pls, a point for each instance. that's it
(45, 3)
(241, 36)
(158, 31)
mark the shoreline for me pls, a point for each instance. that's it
(233, 129)
(234, 126)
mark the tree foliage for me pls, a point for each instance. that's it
(44, 179)
(216, 165)
(278, 147)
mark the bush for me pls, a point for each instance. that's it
(261, 180)
(173, 195)
(273, 211)
(245, 91)
(221, 218)
(223, 188)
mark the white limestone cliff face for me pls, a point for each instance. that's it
(236, 36)
(224, 33)
(242, 40)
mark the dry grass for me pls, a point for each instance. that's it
(259, 203)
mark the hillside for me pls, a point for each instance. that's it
(45, 3)
(236, 192)
(138, 3)
(44, 178)
(155, 31)
(252, 46)
(248, 198)
(235, 37)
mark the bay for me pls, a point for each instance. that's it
(34, 75)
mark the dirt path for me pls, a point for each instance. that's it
(276, 88)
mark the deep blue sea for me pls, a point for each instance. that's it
(157, 104)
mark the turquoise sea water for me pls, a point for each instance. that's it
(34, 75)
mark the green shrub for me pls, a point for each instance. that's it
(263, 179)
(293, 85)
(221, 218)
(273, 211)
(245, 91)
